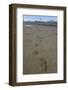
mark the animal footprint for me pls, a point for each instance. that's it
(36, 45)
(36, 52)
(43, 63)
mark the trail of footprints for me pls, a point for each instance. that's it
(43, 62)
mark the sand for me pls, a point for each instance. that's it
(39, 49)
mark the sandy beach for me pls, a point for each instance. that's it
(40, 49)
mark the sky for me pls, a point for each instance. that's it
(39, 18)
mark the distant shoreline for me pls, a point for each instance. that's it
(49, 23)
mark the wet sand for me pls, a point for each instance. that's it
(39, 49)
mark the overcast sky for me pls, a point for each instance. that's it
(39, 18)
